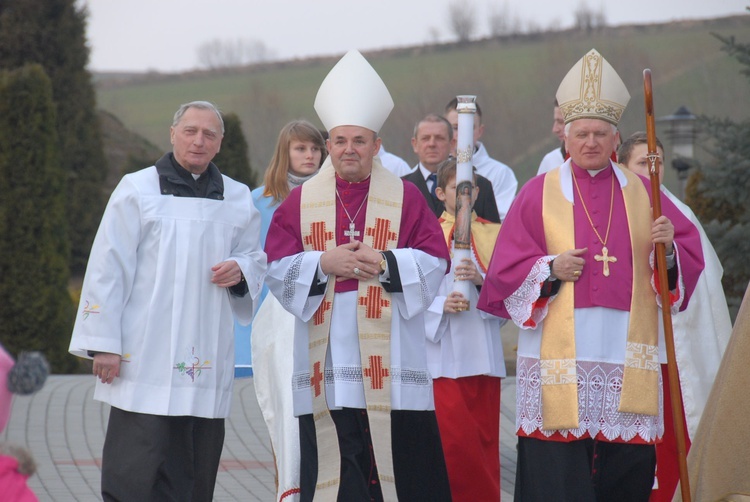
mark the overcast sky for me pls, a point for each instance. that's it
(164, 35)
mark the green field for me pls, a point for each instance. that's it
(514, 78)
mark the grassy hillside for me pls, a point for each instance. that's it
(515, 80)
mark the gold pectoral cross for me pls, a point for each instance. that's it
(606, 259)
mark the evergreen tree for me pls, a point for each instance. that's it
(52, 34)
(232, 159)
(35, 307)
(720, 190)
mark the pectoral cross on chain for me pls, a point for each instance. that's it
(605, 259)
(351, 233)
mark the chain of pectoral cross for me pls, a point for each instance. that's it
(352, 232)
(604, 257)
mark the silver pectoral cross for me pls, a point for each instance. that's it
(605, 259)
(351, 233)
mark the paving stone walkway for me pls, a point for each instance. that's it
(63, 428)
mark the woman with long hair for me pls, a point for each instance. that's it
(300, 151)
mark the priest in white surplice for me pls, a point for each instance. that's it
(357, 256)
(177, 252)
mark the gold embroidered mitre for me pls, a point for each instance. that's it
(592, 89)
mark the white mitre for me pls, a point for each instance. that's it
(353, 94)
(592, 89)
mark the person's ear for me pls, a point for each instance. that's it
(440, 193)
(479, 133)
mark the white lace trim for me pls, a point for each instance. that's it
(520, 304)
(599, 388)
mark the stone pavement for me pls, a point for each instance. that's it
(63, 427)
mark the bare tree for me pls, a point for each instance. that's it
(600, 18)
(231, 53)
(499, 20)
(433, 35)
(554, 25)
(515, 25)
(586, 19)
(462, 18)
(533, 27)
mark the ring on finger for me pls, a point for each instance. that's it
(357, 271)
(576, 273)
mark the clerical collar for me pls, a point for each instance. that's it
(178, 181)
(345, 184)
(591, 172)
(184, 173)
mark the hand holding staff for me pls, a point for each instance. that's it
(678, 412)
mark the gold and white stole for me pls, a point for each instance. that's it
(640, 392)
(374, 312)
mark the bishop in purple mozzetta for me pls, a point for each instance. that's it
(574, 269)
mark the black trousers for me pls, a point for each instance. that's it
(418, 462)
(160, 458)
(583, 471)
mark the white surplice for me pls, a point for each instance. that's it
(502, 177)
(550, 161)
(702, 330)
(466, 343)
(290, 279)
(272, 341)
(148, 296)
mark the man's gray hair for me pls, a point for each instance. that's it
(201, 105)
(435, 119)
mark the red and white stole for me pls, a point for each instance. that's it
(382, 224)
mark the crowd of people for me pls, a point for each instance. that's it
(378, 380)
